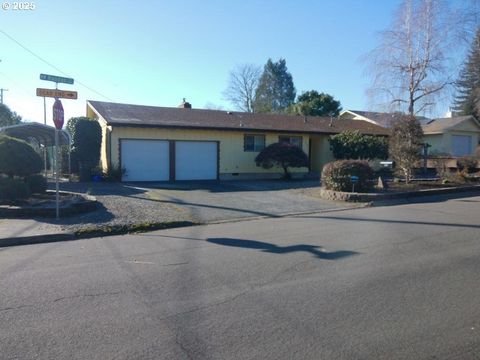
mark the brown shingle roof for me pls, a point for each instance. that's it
(387, 119)
(440, 125)
(139, 115)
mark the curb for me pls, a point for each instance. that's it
(123, 230)
(94, 232)
(37, 239)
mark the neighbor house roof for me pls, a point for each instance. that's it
(384, 119)
(438, 126)
(150, 116)
(44, 134)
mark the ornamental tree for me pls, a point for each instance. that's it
(283, 155)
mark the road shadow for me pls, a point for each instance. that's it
(275, 249)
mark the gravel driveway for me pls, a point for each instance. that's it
(134, 203)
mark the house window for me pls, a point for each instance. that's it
(294, 140)
(255, 143)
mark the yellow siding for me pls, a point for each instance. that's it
(104, 147)
(232, 157)
(321, 153)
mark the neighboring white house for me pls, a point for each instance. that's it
(455, 136)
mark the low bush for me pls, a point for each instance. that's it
(36, 183)
(114, 174)
(336, 175)
(467, 164)
(12, 190)
(18, 158)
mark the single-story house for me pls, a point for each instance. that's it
(456, 136)
(164, 143)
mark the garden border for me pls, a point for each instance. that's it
(89, 203)
(368, 197)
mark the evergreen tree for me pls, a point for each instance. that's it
(8, 117)
(313, 103)
(275, 91)
(468, 84)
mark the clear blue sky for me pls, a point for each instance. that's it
(157, 52)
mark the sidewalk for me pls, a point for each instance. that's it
(28, 231)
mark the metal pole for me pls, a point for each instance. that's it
(69, 162)
(45, 145)
(57, 195)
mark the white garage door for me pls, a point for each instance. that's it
(145, 160)
(195, 160)
(461, 145)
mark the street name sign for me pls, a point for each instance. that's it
(54, 93)
(56, 79)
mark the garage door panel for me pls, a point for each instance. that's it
(196, 160)
(461, 145)
(145, 160)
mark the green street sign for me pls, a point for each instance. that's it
(56, 79)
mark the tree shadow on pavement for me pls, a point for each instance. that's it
(275, 249)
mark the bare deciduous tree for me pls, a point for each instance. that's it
(414, 65)
(242, 85)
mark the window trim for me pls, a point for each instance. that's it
(289, 139)
(254, 149)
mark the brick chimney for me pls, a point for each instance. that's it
(185, 104)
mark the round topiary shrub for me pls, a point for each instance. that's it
(18, 158)
(36, 183)
(336, 175)
(283, 155)
(12, 190)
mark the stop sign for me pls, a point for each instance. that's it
(58, 114)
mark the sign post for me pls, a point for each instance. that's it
(58, 117)
(55, 93)
(353, 180)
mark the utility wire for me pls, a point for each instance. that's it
(52, 66)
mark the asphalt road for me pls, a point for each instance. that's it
(397, 282)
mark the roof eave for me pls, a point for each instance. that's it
(317, 132)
